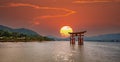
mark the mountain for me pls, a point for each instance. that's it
(20, 30)
(26, 31)
(5, 28)
(105, 37)
(8, 34)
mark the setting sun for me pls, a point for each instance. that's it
(64, 31)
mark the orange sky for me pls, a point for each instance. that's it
(47, 16)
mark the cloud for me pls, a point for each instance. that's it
(68, 12)
(94, 1)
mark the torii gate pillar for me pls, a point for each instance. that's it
(80, 37)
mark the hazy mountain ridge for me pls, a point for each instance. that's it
(105, 37)
(20, 30)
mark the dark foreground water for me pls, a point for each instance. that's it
(59, 52)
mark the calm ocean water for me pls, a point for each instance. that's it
(59, 51)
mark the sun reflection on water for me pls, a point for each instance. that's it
(65, 55)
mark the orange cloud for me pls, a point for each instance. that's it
(92, 1)
(22, 4)
(68, 12)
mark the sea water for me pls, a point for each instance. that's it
(59, 51)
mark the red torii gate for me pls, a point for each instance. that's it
(80, 37)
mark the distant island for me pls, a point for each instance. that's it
(8, 34)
